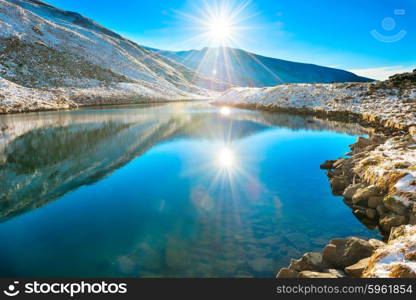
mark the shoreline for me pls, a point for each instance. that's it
(367, 121)
(15, 98)
(342, 176)
(104, 106)
(377, 179)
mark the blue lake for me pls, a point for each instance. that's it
(176, 190)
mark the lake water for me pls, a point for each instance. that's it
(175, 190)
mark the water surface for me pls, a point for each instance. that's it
(185, 190)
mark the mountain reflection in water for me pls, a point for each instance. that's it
(45, 156)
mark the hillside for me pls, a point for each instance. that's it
(43, 47)
(242, 68)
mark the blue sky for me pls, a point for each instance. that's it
(344, 34)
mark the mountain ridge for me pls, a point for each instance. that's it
(39, 31)
(243, 68)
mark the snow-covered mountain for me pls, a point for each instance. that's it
(242, 68)
(45, 47)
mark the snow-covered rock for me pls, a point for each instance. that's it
(397, 258)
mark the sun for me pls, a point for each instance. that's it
(218, 23)
(220, 29)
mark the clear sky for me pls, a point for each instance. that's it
(374, 38)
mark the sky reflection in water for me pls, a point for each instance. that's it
(175, 190)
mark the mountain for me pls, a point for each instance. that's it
(242, 68)
(42, 46)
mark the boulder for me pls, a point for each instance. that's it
(395, 205)
(339, 162)
(395, 259)
(361, 195)
(309, 261)
(311, 274)
(340, 253)
(391, 220)
(397, 232)
(357, 269)
(351, 190)
(412, 132)
(381, 210)
(339, 184)
(360, 144)
(411, 255)
(335, 272)
(402, 271)
(374, 201)
(359, 211)
(376, 243)
(371, 213)
(287, 273)
(412, 216)
(328, 164)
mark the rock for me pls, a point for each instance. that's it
(335, 272)
(351, 190)
(412, 132)
(410, 256)
(361, 195)
(402, 271)
(309, 261)
(287, 273)
(412, 215)
(328, 164)
(381, 210)
(391, 220)
(359, 211)
(371, 213)
(396, 206)
(311, 274)
(339, 184)
(357, 269)
(412, 219)
(340, 253)
(374, 201)
(360, 144)
(395, 259)
(397, 232)
(376, 243)
(339, 162)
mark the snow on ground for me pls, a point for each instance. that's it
(392, 167)
(387, 105)
(397, 258)
(16, 98)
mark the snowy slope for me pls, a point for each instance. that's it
(43, 46)
(242, 68)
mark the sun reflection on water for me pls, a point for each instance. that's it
(225, 111)
(226, 157)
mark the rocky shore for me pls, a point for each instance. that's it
(358, 258)
(377, 178)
